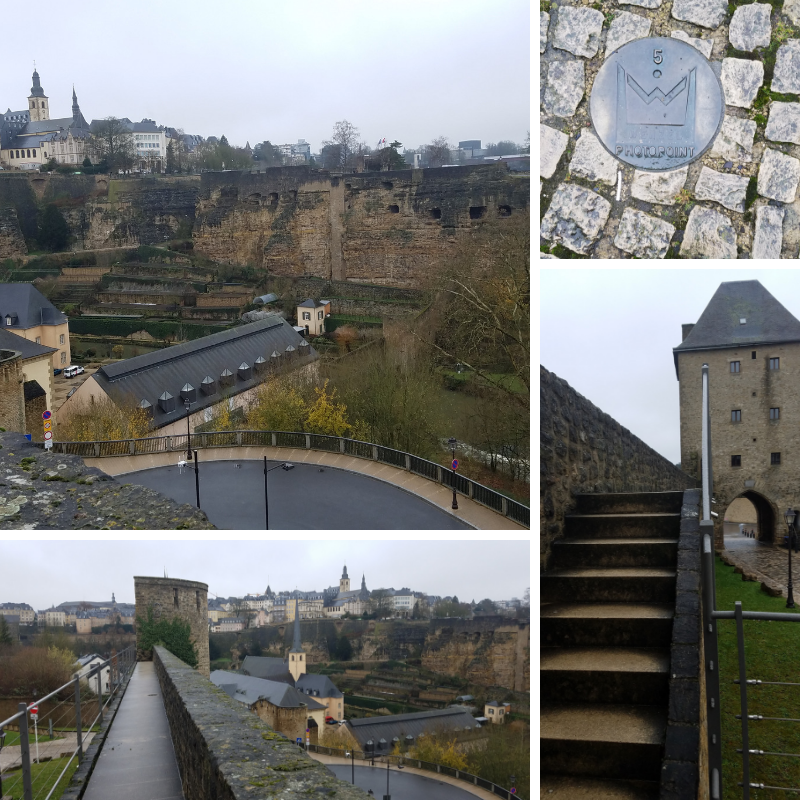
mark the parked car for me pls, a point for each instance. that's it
(56, 371)
(72, 371)
(81, 370)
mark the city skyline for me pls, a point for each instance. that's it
(263, 71)
(54, 572)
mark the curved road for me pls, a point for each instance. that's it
(402, 785)
(308, 497)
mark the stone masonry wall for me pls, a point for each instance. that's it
(584, 450)
(171, 598)
(12, 243)
(226, 752)
(753, 391)
(12, 396)
(739, 200)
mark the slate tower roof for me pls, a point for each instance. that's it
(741, 313)
(36, 89)
(297, 645)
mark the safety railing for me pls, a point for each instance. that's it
(481, 494)
(406, 761)
(32, 772)
(711, 650)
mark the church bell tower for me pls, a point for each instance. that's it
(344, 581)
(38, 103)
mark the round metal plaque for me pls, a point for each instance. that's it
(656, 104)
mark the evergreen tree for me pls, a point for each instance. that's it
(53, 229)
(5, 632)
(223, 140)
(170, 157)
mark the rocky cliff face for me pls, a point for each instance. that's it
(12, 243)
(383, 228)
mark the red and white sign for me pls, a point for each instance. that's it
(48, 432)
(48, 435)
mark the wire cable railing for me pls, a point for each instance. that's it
(64, 714)
(485, 496)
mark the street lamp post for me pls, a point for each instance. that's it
(197, 478)
(452, 442)
(789, 516)
(352, 755)
(285, 467)
(187, 403)
(387, 796)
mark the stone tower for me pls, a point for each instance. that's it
(297, 657)
(751, 344)
(38, 104)
(344, 581)
(170, 598)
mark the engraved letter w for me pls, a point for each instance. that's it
(665, 99)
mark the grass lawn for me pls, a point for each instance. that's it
(772, 653)
(43, 777)
(12, 737)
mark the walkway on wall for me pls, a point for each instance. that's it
(137, 761)
(472, 513)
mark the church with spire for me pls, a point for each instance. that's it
(30, 138)
(354, 602)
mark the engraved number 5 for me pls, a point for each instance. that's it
(657, 57)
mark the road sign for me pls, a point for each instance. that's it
(48, 435)
(47, 414)
(35, 710)
(48, 429)
(656, 104)
(48, 425)
(454, 465)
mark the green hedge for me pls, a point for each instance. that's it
(164, 329)
(335, 321)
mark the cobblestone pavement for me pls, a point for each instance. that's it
(740, 200)
(761, 562)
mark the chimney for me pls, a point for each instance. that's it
(686, 329)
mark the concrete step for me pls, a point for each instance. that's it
(618, 526)
(611, 624)
(603, 741)
(625, 552)
(562, 787)
(629, 502)
(628, 675)
(609, 584)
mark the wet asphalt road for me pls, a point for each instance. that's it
(402, 785)
(305, 498)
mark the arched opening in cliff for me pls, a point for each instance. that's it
(435, 213)
(477, 212)
(387, 184)
(748, 519)
(504, 211)
(273, 198)
(393, 209)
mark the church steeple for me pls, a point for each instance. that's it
(38, 104)
(297, 658)
(344, 581)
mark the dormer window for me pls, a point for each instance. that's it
(9, 320)
(742, 321)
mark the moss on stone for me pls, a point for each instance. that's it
(752, 192)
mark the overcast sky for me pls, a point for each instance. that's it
(45, 573)
(610, 332)
(283, 71)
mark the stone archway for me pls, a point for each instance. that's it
(764, 513)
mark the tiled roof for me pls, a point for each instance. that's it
(29, 304)
(29, 349)
(249, 690)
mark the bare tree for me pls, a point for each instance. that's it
(113, 143)
(438, 151)
(345, 136)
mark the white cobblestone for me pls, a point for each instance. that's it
(565, 87)
(659, 187)
(792, 10)
(735, 139)
(644, 3)
(727, 190)
(544, 23)
(708, 234)
(706, 13)
(750, 27)
(552, 144)
(786, 77)
(575, 218)
(578, 30)
(643, 236)
(592, 161)
(783, 124)
(625, 28)
(703, 45)
(769, 232)
(778, 176)
(741, 80)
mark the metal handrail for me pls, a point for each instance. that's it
(477, 492)
(428, 766)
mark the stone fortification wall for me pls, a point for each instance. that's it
(383, 228)
(171, 598)
(584, 450)
(12, 396)
(225, 751)
(12, 242)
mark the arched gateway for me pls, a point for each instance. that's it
(751, 344)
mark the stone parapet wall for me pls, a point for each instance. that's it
(12, 396)
(171, 598)
(225, 751)
(584, 450)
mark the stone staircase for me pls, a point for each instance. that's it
(606, 626)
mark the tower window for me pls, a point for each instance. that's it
(736, 366)
(774, 363)
(175, 597)
(736, 461)
(775, 413)
(774, 459)
(736, 416)
(197, 598)
(753, 354)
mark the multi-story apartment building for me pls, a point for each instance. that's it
(751, 344)
(26, 614)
